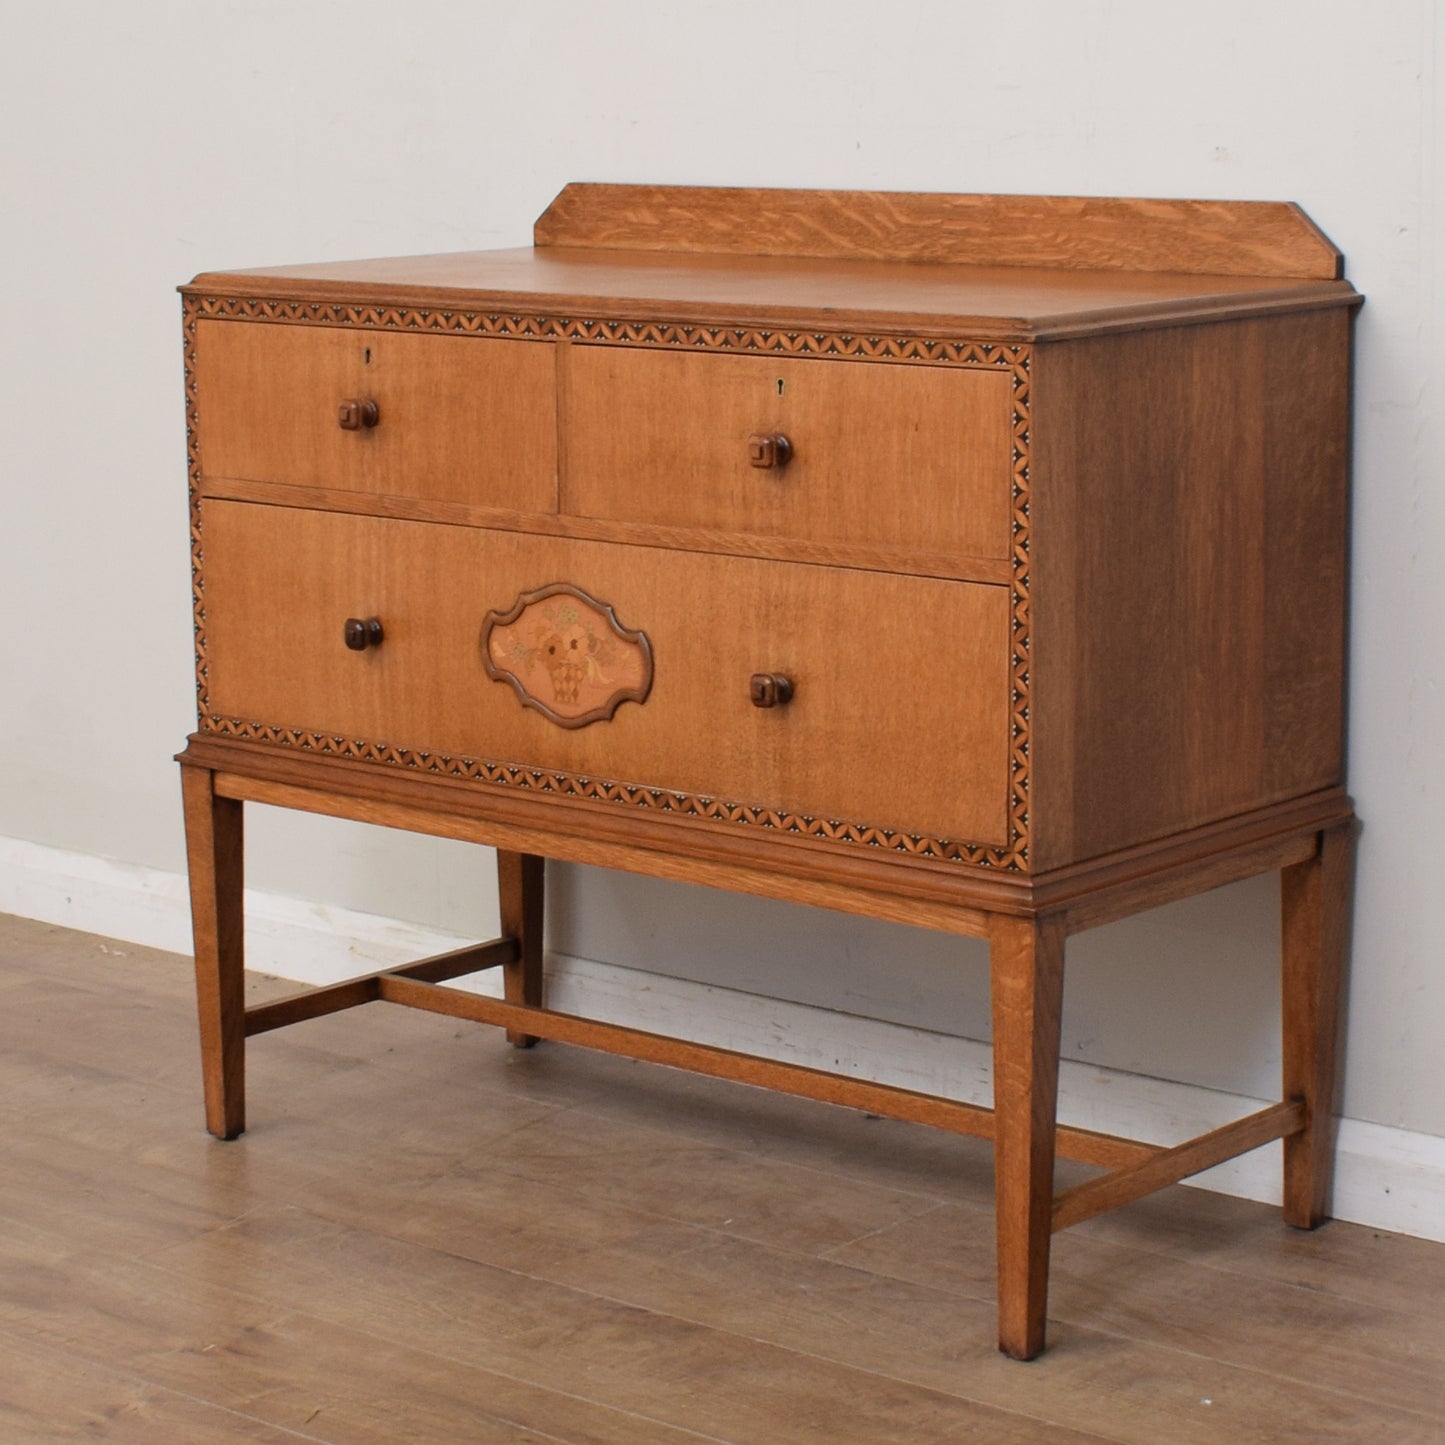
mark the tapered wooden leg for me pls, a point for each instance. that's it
(520, 881)
(1314, 898)
(1027, 965)
(214, 854)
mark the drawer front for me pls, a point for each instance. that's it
(458, 419)
(898, 719)
(892, 455)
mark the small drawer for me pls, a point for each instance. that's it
(826, 692)
(884, 454)
(444, 418)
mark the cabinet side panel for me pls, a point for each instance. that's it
(1189, 573)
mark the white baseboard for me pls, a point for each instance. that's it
(1392, 1179)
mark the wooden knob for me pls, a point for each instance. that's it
(357, 413)
(362, 632)
(770, 689)
(769, 450)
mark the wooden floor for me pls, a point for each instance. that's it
(427, 1236)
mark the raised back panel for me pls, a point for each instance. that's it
(1221, 238)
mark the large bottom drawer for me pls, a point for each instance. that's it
(898, 718)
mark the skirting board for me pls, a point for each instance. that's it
(1391, 1179)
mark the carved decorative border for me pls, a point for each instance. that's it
(1010, 358)
(1016, 856)
(189, 314)
(685, 336)
(597, 790)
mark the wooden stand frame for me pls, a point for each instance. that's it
(1027, 922)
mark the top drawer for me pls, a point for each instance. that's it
(458, 419)
(884, 454)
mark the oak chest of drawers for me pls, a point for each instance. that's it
(977, 562)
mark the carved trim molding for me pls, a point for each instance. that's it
(576, 785)
(605, 331)
(1014, 359)
(1017, 852)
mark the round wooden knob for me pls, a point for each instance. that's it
(769, 449)
(362, 632)
(770, 689)
(357, 413)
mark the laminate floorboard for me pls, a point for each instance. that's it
(428, 1236)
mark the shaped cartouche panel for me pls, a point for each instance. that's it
(566, 655)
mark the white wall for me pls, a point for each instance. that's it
(148, 141)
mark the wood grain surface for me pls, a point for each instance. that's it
(1239, 238)
(932, 893)
(1316, 898)
(569, 293)
(1026, 967)
(1167, 1166)
(1188, 578)
(459, 420)
(886, 726)
(921, 560)
(427, 1236)
(215, 868)
(658, 438)
(521, 884)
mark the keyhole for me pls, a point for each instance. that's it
(780, 386)
(366, 356)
